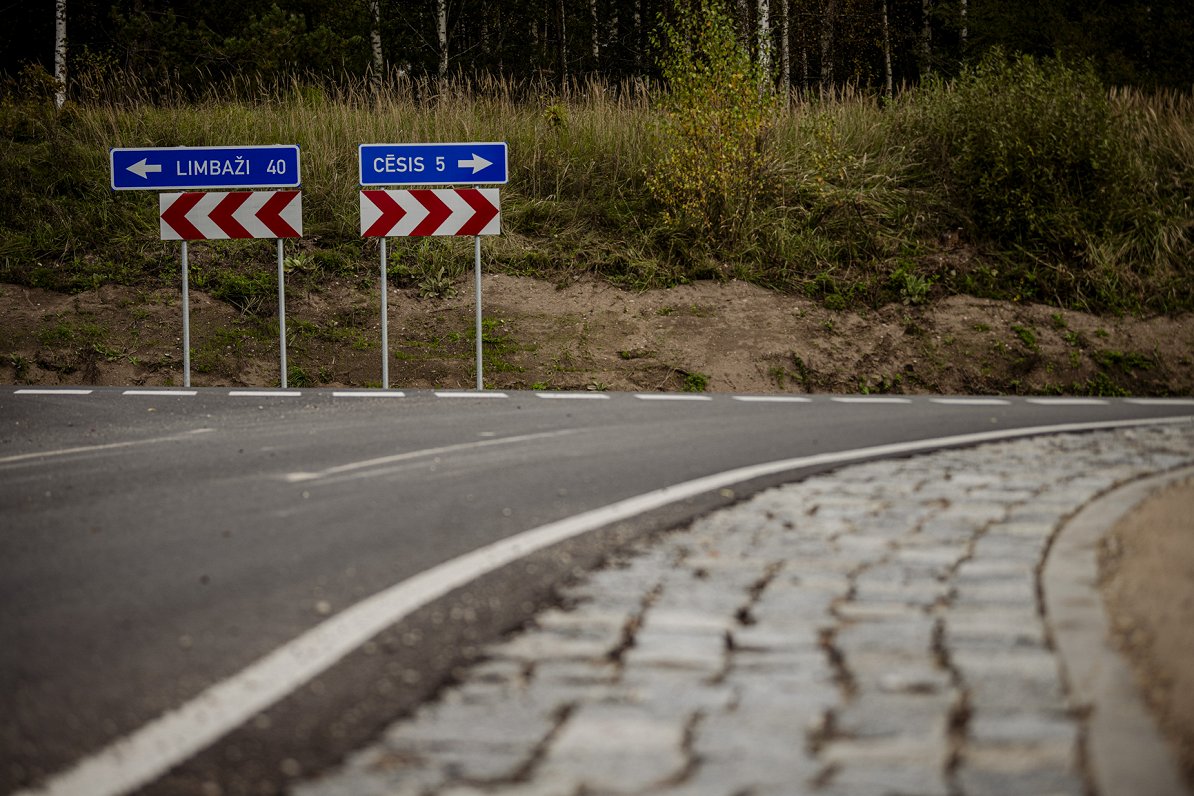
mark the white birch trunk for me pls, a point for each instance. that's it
(596, 43)
(375, 38)
(60, 53)
(764, 37)
(827, 23)
(887, 52)
(785, 45)
(926, 38)
(441, 19)
(964, 33)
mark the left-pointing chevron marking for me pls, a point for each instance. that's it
(231, 214)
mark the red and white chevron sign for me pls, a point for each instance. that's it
(431, 211)
(231, 214)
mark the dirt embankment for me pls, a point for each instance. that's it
(589, 335)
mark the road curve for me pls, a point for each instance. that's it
(157, 543)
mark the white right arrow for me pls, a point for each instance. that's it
(476, 162)
(141, 168)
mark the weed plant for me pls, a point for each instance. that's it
(1021, 180)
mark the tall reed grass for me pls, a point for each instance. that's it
(861, 200)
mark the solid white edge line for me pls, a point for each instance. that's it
(477, 394)
(772, 399)
(265, 393)
(670, 396)
(51, 391)
(368, 394)
(160, 392)
(138, 758)
(575, 396)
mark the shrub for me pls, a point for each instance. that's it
(709, 172)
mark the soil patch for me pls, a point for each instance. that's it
(587, 334)
(1147, 575)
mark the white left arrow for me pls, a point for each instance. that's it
(141, 168)
(476, 162)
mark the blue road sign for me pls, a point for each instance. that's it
(185, 167)
(434, 164)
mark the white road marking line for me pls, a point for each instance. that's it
(160, 392)
(1066, 401)
(51, 391)
(869, 399)
(773, 399)
(1160, 401)
(382, 461)
(575, 396)
(106, 446)
(368, 394)
(265, 393)
(477, 394)
(970, 401)
(670, 396)
(138, 758)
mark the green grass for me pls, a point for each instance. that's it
(1021, 180)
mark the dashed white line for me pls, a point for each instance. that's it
(368, 394)
(1160, 401)
(970, 401)
(264, 393)
(465, 394)
(670, 396)
(869, 399)
(773, 399)
(51, 391)
(160, 392)
(1066, 401)
(576, 396)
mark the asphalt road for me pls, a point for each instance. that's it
(153, 545)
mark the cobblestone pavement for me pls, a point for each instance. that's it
(875, 630)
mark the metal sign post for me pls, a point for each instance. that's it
(282, 313)
(186, 320)
(222, 216)
(466, 212)
(385, 333)
(477, 272)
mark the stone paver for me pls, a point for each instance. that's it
(876, 630)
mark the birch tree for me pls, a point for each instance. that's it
(887, 79)
(441, 23)
(594, 41)
(375, 39)
(827, 39)
(926, 37)
(785, 49)
(60, 54)
(763, 36)
(964, 30)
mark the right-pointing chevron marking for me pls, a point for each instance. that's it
(426, 211)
